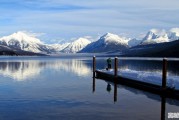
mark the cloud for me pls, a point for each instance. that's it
(33, 34)
(67, 19)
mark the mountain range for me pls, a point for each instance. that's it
(159, 36)
(76, 46)
(107, 42)
(21, 43)
(164, 49)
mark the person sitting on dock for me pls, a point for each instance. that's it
(109, 63)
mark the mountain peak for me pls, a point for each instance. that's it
(24, 41)
(22, 33)
(176, 30)
(106, 35)
(21, 37)
(159, 32)
(174, 34)
(154, 34)
(81, 39)
(155, 30)
(113, 38)
(77, 45)
(107, 42)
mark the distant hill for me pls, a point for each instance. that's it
(167, 49)
(4, 50)
(156, 43)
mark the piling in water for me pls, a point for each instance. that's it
(164, 74)
(94, 84)
(115, 66)
(94, 65)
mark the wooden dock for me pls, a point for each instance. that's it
(153, 88)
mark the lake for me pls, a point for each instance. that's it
(62, 88)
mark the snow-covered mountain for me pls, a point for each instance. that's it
(22, 41)
(59, 47)
(173, 34)
(166, 49)
(108, 42)
(76, 46)
(134, 42)
(155, 36)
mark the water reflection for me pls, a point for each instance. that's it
(163, 100)
(77, 67)
(108, 88)
(23, 70)
(115, 90)
(163, 106)
(94, 84)
(56, 91)
(20, 70)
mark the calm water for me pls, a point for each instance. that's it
(41, 88)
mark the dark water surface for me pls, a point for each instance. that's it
(42, 88)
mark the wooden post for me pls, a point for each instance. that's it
(163, 106)
(115, 89)
(164, 74)
(115, 66)
(94, 65)
(94, 84)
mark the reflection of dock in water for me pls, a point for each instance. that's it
(161, 98)
(162, 90)
(108, 88)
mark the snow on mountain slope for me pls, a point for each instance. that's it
(59, 47)
(23, 41)
(5, 48)
(112, 38)
(108, 42)
(155, 36)
(76, 46)
(134, 42)
(154, 33)
(173, 34)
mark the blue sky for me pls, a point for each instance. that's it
(54, 20)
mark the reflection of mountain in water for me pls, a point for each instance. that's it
(75, 66)
(19, 70)
(23, 70)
